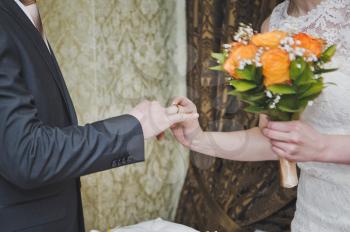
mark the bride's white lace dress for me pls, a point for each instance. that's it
(323, 203)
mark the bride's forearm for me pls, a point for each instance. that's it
(245, 145)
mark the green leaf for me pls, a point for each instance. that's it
(276, 115)
(289, 109)
(245, 100)
(242, 86)
(303, 88)
(248, 73)
(233, 93)
(328, 53)
(290, 104)
(329, 83)
(255, 109)
(220, 57)
(315, 89)
(297, 68)
(305, 100)
(258, 75)
(321, 71)
(307, 77)
(217, 68)
(281, 89)
(253, 98)
(256, 97)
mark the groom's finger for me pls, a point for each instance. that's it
(180, 117)
(160, 136)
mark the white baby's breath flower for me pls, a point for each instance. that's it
(278, 98)
(268, 94)
(244, 33)
(299, 51)
(242, 64)
(227, 46)
(291, 56)
(312, 58)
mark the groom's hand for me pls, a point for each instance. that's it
(154, 118)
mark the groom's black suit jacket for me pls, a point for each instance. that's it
(43, 151)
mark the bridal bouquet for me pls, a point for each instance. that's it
(276, 73)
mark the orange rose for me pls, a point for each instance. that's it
(275, 66)
(238, 53)
(269, 39)
(312, 45)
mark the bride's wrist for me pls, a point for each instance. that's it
(199, 136)
(326, 149)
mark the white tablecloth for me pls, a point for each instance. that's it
(157, 225)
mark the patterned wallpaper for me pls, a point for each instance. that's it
(113, 54)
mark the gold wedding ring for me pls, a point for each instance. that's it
(178, 107)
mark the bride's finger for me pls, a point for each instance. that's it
(282, 126)
(173, 109)
(181, 117)
(289, 148)
(276, 135)
(186, 103)
(183, 101)
(176, 109)
(281, 153)
(179, 135)
(263, 121)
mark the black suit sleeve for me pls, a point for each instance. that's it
(33, 154)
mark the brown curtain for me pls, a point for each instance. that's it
(222, 195)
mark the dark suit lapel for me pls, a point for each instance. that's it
(33, 34)
(63, 86)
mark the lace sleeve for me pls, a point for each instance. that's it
(344, 32)
(329, 20)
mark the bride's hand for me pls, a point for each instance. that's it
(186, 132)
(296, 141)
